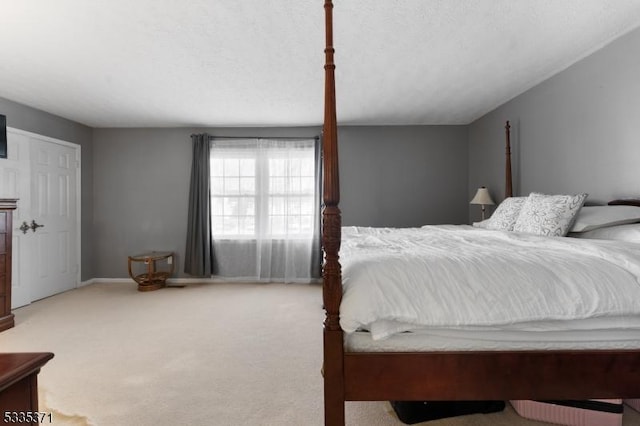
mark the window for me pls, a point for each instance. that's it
(263, 188)
(233, 196)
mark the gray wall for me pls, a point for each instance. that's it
(403, 175)
(141, 191)
(400, 176)
(575, 132)
(40, 122)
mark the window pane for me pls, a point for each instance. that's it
(231, 167)
(294, 185)
(306, 225)
(277, 225)
(307, 185)
(306, 206)
(247, 167)
(217, 227)
(230, 206)
(217, 167)
(247, 185)
(247, 225)
(293, 224)
(277, 185)
(277, 205)
(231, 186)
(307, 168)
(217, 185)
(217, 206)
(294, 167)
(293, 206)
(230, 225)
(277, 167)
(246, 206)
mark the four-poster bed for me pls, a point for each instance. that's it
(443, 375)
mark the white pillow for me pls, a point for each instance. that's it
(594, 217)
(629, 232)
(505, 216)
(551, 215)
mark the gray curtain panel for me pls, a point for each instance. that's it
(198, 259)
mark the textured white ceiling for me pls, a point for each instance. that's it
(140, 63)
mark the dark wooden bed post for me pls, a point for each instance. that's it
(334, 396)
(508, 191)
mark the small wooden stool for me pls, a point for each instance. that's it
(152, 279)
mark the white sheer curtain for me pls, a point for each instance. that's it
(264, 208)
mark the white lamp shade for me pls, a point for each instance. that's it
(482, 197)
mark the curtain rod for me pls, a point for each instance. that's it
(317, 137)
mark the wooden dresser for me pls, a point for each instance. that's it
(19, 386)
(7, 206)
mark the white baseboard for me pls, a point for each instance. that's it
(129, 280)
(105, 280)
(184, 281)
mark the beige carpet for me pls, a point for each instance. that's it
(211, 354)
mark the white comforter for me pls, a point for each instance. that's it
(458, 276)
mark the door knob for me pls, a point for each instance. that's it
(24, 227)
(35, 226)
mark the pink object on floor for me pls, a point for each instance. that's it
(633, 403)
(593, 412)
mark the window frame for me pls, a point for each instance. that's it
(263, 211)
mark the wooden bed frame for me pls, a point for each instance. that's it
(491, 375)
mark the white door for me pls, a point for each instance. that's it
(45, 258)
(15, 183)
(54, 218)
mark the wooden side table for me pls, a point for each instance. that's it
(152, 279)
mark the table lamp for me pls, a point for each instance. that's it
(483, 198)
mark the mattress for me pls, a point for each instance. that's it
(597, 333)
(443, 277)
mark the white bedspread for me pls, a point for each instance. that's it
(459, 276)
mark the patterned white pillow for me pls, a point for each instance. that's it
(505, 216)
(551, 215)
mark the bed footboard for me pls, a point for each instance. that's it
(497, 375)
